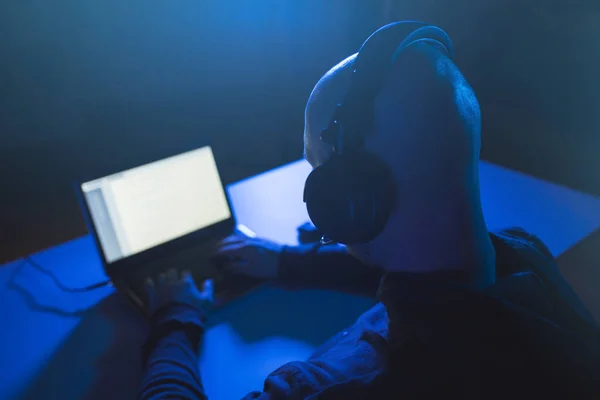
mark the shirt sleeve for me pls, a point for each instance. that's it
(296, 380)
(316, 266)
(170, 355)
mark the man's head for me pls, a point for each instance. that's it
(427, 129)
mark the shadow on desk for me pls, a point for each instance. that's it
(310, 316)
(100, 359)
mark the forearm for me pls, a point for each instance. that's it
(327, 267)
(171, 359)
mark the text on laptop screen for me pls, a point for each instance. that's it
(155, 203)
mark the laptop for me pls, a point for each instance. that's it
(161, 215)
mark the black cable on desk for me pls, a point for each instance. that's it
(47, 272)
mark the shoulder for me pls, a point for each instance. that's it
(519, 238)
(520, 251)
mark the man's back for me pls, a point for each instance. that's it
(528, 333)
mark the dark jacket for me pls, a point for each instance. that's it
(527, 336)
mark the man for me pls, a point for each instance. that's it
(462, 312)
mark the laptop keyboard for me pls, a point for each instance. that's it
(196, 260)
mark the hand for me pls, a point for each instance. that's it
(172, 288)
(243, 255)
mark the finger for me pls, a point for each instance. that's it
(149, 285)
(162, 279)
(207, 290)
(172, 276)
(186, 277)
(233, 239)
(226, 247)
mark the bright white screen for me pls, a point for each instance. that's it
(150, 205)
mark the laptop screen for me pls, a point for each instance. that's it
(147, 206)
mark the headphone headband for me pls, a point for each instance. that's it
(354, 116)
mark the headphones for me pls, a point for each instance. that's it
(350, 197)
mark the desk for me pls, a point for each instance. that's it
(70, 346)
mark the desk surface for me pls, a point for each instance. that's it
(70, 346)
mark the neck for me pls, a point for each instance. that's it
(449, 238)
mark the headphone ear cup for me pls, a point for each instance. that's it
(349, 198)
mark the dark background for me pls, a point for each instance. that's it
(88, 87)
